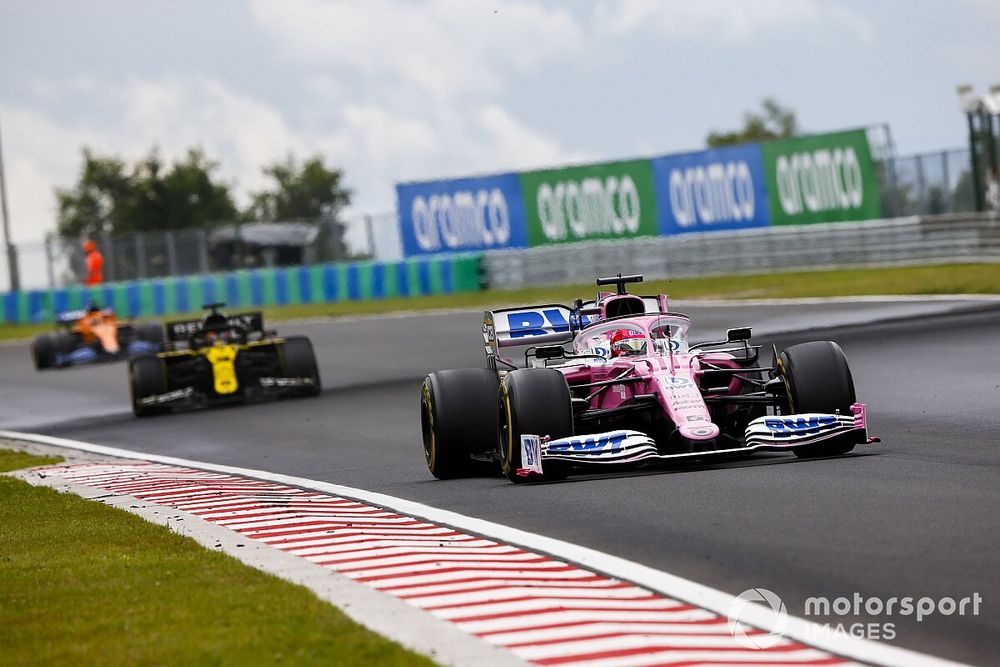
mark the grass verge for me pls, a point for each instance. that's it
(13, 459)
(87, 584)
(942, 279)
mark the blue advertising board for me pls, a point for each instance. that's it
(719, 189)
(461, 215)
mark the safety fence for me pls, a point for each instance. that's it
(319, 283)
(59, 262)
(913, 240)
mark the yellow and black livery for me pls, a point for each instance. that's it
(222, 358)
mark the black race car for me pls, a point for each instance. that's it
(222, 358)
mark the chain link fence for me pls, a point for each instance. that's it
(927, 184)
(60, 262)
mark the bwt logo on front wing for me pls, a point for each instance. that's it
(604, 443)
(464, 219)
(778, 425)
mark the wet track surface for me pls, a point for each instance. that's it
(916, 516)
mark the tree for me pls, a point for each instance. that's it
(309, 192)
(94, 205)
(774, 122)
(110, 198)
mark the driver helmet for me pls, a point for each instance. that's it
(627, 341)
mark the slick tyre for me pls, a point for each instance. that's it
(818, 379)
(151, 332)
(147, 377)
(458, 419)
(299, 360)
(535, 401)
(43, 351)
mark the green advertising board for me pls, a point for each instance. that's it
(614, 200)
(823, 178)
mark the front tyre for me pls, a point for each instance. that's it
(532, 401)
(458, 419)
(299, 361)
(43, 351)
(818, 379)
(147, 377)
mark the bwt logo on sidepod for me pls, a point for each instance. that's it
(719, 192)
(464, 219)
(611, 443)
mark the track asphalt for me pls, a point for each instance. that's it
(916, 516)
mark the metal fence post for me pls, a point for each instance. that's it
(949, 198)
(140, 256)
(49, 261)
(921, 186)
(370, 236)
(110, 256)
(202, 251)
(168, 239)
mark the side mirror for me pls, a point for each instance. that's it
(738, 335)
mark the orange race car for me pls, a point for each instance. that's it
(94, 334)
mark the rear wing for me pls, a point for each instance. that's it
(182, 330)
(545, 324)
(533, 325)
(71, 317)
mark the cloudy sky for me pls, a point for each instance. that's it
(393, 90)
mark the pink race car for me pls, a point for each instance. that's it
(629, 391)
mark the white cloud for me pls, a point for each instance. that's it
(730, 20)
(172, 113)
(440, 47)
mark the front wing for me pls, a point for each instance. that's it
(772, 433)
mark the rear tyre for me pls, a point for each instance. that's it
(43, 351)
(458, 418)
(147, 377)
(298, 360)
(818, 379)
(535, 401)
(151, 332)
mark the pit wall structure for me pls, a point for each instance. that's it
(319, 283)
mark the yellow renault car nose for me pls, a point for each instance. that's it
(223, 360)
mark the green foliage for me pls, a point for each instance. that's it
(111, 198)
(306, 192)
(774, 122)
(95, 204)
(14, 459)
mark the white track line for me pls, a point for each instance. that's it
(670, 585)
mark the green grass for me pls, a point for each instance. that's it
(942, 279)
(86, 584)
(13, 459)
